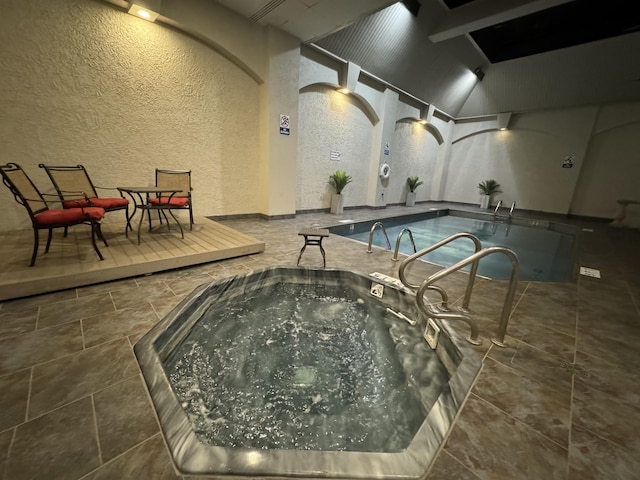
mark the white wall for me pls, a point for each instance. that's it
(612, 165)
(526, 160)
(414, 152)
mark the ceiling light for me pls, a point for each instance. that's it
(143, 13)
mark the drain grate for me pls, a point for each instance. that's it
(575, 369)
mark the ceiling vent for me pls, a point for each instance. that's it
(266, 10)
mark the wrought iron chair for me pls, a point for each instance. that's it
(75, 189)
(181, 200)
(44, 218)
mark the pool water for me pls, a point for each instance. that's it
(294, 367)
(545, 254)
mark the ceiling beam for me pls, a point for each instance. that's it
(484, 13)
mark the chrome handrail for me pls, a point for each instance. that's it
(472, 274)
(373, 227)
(496, 212)
(513, 207)
(413, 244)
(473, 259)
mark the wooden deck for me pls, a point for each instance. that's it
(71, 262)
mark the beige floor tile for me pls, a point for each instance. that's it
(124, 417)
(150, 460)
(5, 443)
(495, 446)
(120, 323)
(14, 391)
(74, 309)
(67, 379)
(593, 458)
(39, 346)
(62, 444)
(542, 408)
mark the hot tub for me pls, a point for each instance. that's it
(298, 372)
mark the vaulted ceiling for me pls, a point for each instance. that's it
(528, 54)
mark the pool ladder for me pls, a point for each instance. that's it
(496, 212)
(371, 232)
(384, 231)
(430, 310)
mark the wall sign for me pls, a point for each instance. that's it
(285, 128)
(568, 161)
(387, 148)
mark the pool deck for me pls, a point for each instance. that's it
(559, 402)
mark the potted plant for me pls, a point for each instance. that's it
(338, 180)
(488, 188)
(412, 184)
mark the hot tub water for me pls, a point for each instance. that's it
(293, 367)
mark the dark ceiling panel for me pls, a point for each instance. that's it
(566, 25)
(456, 3)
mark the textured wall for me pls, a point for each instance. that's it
(413, 152)
(328, 121)
(526, 160)
(86, 83)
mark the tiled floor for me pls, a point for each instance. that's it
(561, 401)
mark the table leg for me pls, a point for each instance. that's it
(324, 258)
(302, 251)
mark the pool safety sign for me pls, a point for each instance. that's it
(285, 128)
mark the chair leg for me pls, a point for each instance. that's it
(100, 235)
(46, 249)
(35, 247)
(96, 227)
(165, 217)
(160, 217)
(174, 217)
(66, 230)
(190, 217)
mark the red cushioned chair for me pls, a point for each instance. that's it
(42, 217)
(178, 179)
(76, 189)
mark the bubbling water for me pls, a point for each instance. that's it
(306, 367)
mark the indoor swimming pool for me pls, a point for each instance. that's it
(545, 249)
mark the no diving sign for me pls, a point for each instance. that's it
(285, 129)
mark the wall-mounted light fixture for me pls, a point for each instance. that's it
(426, 114)
(143, 11)
(349, 75)
(503, 120)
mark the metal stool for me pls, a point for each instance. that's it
(313, 236)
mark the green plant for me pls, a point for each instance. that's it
(489, 187)
(413, 183)
(339, 180)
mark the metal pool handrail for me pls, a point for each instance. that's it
(373, 228)
(513, 207)
(413, 244)
(473, 259)
(472, 274)
(496, 212)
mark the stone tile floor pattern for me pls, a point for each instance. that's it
(561, 401)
